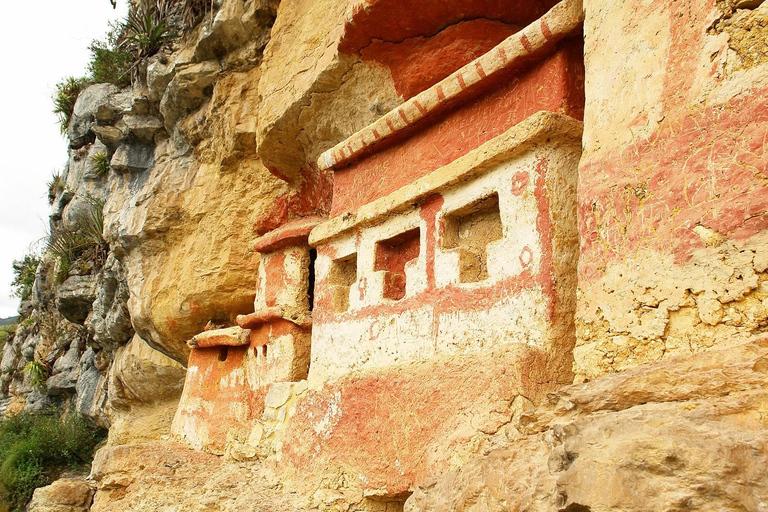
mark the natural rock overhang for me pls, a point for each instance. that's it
(530, 43)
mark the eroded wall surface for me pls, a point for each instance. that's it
(673, 196)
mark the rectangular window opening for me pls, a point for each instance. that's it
(342, 276)
(392, 255)
(469, 230)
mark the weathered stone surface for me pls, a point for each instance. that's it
(66, 371)
(685, 433)
(108, 135)
(91, 390)
(144, 386)
(65, 495)
(101, 102)
(110, 322)
(123, 473)
(132, 157)
(672, 194)
(233, 25)
(75, 296)
(142, 375)
(187, 90)
(143, 127)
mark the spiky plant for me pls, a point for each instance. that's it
(37, 372)
(146, 29)
(67, 92)
(100, 163)
(86, 242)
(55, 186)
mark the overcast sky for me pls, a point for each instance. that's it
(42, 41)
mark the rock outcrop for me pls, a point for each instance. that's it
(389, 255)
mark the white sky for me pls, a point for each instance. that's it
(42, 42)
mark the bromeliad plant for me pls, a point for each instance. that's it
(85, 243)
(55, 186)
(37, 372)
(100, 163)
(147, 29)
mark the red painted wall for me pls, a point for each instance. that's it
(705, 163)
(556, 84)
(395, 427)
(207, 387)
(418, 63)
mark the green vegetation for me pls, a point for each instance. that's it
(190, 11)
(101, 163)
(82, 245)
(64, 100)
(147, 29)
(37, 372)
(24, 275)
(55, 186)
(6, 334)
(109, 63)
(35, 449)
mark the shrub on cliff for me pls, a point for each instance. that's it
(64, 100)
(24, 275)
(6, 334)
(109, 63)
(36, 448)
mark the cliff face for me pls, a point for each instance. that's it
(481, 306)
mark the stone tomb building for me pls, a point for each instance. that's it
(450, 248)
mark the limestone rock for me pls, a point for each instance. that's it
(65, 495)
(159, 75)
(110, 322)
(132, 157)
(187, 90)
(143, 127)
(142, 375)
(97, 103)
(75, 296)
(232, 26)
(66, 371)
(680, 434)
(91, 390)
(108, 135)
(123, 472)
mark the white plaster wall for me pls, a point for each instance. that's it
(353, 342)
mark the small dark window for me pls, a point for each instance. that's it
(311, 284)
(264, 350)
(223, 353)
